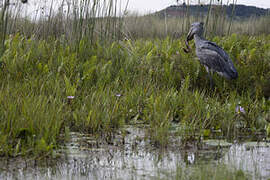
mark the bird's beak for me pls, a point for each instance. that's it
(190, 34)
(189, 37)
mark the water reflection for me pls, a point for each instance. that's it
(83, 158)
(251, 157)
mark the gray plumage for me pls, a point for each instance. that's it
(213, 57)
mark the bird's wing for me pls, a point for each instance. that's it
(212, 59)
(213, 56)
(214, 47)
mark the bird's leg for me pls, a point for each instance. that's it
(210, 79)
(209, 73)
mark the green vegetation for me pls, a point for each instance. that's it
(212, 171)
(127, 82)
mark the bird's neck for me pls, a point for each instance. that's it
(198, 38)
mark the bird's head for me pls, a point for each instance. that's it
(196, 28)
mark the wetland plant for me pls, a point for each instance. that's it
(160, 86)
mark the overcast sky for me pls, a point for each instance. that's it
(144, 6)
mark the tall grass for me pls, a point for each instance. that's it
(126, 82)
(151, 27)
(3, 27)
(72, 21)
(106, 22)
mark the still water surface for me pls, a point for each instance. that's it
(83, 158)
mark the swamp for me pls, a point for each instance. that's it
(91, 91)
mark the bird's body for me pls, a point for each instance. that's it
(213, 57)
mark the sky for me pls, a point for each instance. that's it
(145, 6)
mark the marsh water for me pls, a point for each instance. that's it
(133, 157)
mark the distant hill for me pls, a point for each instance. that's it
(241, 11)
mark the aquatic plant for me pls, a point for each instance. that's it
(150, 82)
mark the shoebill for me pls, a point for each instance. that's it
(213, 57)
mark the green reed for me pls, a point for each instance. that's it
(150, 82)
